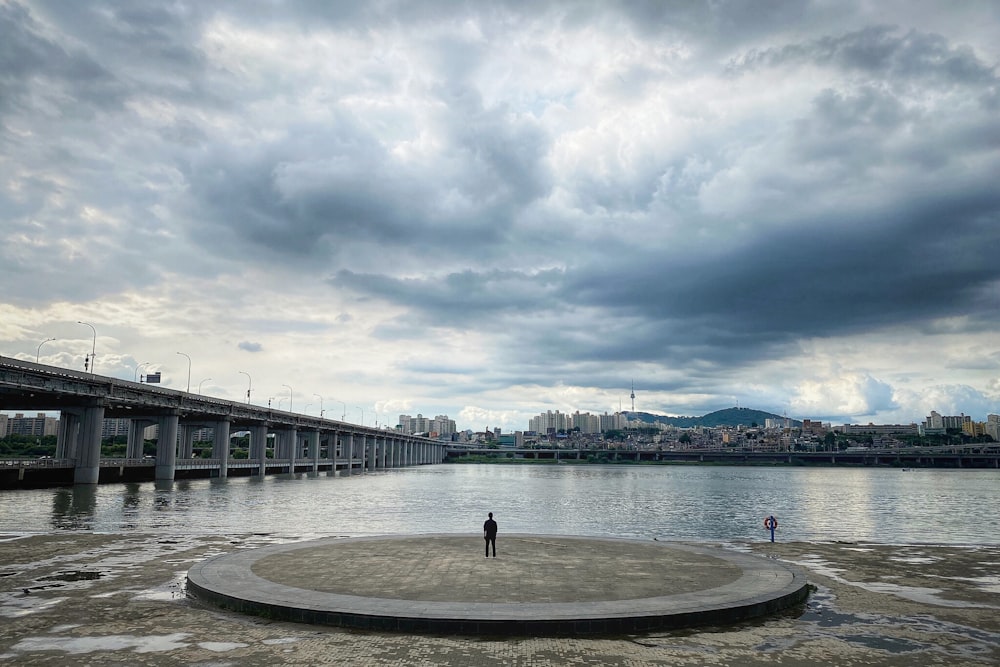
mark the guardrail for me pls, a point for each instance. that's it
(35, 462)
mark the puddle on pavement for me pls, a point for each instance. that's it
(220, 647)
(76, 575)
(15, 605)
(78, 645)
(175, 589)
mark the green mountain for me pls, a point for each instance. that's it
(727, 417)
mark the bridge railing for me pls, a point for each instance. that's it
(119, 461)
(35, 462)
(191, 464)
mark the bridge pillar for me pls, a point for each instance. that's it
(69, 434)
(220, 445)
(292, 443)
(312, 448)
(348, 452)
(286, 446)
(88, 452)
(136, 438)
(166, 446)
(331, 449)
(370, 445)
(186, 443)
(258, 447)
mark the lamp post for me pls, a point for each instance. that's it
(249, 384)
(135, 376)
(343, 415)
(189, 370)
(93, 347)
(39, 350)
(289, 397)
(280, 399)
(201, 383)
(362, 414)
(320, 405)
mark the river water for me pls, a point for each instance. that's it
(709, 503)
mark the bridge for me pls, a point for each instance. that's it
(294, 441)
(980, 455)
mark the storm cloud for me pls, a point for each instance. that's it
(497, 210)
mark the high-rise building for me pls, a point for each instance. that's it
(993, 427)
(38, 426)
(441, 425)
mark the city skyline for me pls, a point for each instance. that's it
(487, 211)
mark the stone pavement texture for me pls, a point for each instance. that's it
(103, 599)
(539, 584)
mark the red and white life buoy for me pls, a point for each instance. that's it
(770, 523)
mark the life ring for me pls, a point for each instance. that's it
(770, 523)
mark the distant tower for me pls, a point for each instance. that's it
(633, 395)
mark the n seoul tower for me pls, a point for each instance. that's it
(633, 395)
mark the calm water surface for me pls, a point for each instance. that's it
(665, 502)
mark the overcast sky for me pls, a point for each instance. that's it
(489, 210)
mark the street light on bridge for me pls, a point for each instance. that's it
(93, 347)
(201, 383)
(320, 405)
(189, 370)
(249, 384)
(135, 376)
(289, 397)
(39, 350)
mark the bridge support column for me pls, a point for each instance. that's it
(286, 445)
(88, 452)
(331, 449)
(186, 444)
(136, 438)
(166, 446)
(258, 447)
(349, 452)
(370, 453)
(220, 445)
(312, 448)
(69, 434)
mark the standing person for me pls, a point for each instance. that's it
(490, 534)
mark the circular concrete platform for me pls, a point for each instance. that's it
(538, 584)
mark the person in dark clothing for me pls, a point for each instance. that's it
(490, 534)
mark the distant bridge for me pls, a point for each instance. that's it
(963, 456)
(84, 400)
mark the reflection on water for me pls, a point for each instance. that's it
(666, 502)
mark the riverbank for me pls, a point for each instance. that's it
(120, 598)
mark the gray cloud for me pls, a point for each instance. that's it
(553, 195)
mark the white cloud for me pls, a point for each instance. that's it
(489, 213)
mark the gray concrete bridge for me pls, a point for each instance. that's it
(295, 441)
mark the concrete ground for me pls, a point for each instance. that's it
(541, 584)
(88, 599)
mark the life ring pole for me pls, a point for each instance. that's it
(771, 523)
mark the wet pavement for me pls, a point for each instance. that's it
(96, 599)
